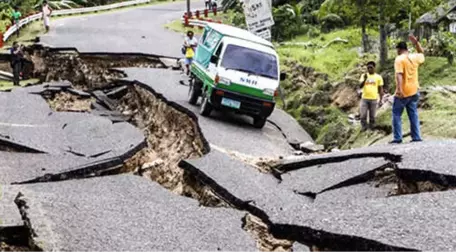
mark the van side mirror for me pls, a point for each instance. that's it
(214, 59)
(283, 76)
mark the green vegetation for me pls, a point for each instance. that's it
(436, 71)
(334, 59)
(8, 85)
(27, 34)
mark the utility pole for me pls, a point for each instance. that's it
(410, 16)
(188, 9)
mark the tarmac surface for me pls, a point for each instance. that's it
(127, 212)
(333, 197)
(228, 131)
(133, 30)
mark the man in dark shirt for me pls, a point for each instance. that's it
(16, 62)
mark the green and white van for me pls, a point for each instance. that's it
(234, 69)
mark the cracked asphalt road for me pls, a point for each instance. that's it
(126, 212)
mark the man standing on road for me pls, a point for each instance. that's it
(372, 85)
(47, 11)
(16, 16)
(207, 3)
(407, 85)
(190, 44)
(16, 62)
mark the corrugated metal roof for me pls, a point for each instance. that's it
(435, 16)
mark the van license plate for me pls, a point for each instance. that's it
(231, 103)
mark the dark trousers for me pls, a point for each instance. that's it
(368, 107)
(411, 106)
(16, 72)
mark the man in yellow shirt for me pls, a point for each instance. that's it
(407, 96)
(372, 85)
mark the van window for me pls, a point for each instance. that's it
(212, 40)
(219, 50)
(250, 61)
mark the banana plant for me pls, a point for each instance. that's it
(62, 4)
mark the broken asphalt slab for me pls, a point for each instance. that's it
(67, 144)
(29, 121)
(318, 178)
(240, 184)
(225, 130)
(18, 167)
(427, 156)
(126, 212)
(420, 221)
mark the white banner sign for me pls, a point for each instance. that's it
(453, 27)
(258, 14)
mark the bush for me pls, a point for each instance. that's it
(331, 22)
(442, 44)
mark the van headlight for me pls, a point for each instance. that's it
(268, 91)
(225, 81)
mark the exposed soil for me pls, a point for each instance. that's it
(8, 247)
(171, 136)
(63, 101)
(265, 240)
(262, 164)
(172, 132)
(85, 71)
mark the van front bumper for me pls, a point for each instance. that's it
(251, 106)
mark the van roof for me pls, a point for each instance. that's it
(235, 32)
(251, 45)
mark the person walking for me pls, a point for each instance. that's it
(407, 89)
(16, 16)
(207, 4)
(16, 62)
(372, 89)
(190, 44)
(47, 11)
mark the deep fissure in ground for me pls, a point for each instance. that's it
(172, 132)
(173, 135)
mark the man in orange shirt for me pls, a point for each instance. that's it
(407, 96)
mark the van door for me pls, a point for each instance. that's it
(215, 59)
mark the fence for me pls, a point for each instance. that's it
(37, 16)
(195, 18)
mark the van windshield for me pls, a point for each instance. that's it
(250, 61)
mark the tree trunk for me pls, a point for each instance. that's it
(383, 36)
(365, 39)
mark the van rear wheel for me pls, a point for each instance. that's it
(259, 122)
(206, 107)
(194, 91)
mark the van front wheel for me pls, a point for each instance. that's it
(194, 91)
(206, 107)
(259, 122)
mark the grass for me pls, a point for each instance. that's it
(335, 60)
(438, 121)
(8, 85)
(437, 72)
(27, 34)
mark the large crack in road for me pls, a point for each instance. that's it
(171, 131)
(175, 154)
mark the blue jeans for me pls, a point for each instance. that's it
(411, 105)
